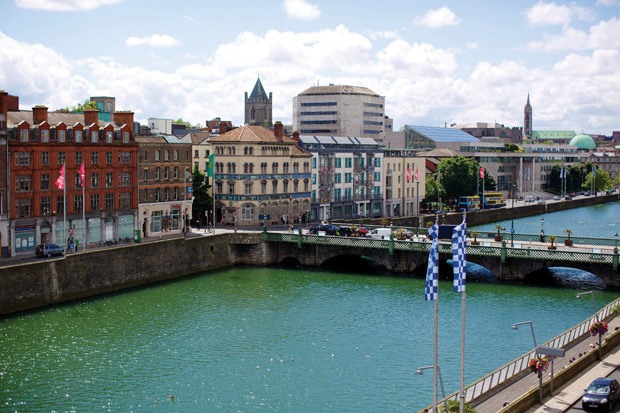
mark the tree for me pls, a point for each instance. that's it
(202, 201)
(460, 175)
(511, 147)
(87, 104)
(188, 124)
(602, 181)
(431, 190)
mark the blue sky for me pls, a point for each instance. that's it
(435, 63)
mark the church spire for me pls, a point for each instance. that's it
(527, 119)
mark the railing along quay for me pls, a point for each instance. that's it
(533, 251)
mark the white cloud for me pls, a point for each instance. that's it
(608, 3)
(473, 46)
(387, 34)
(437, 18)
(542, 14)
(301, 10)
(156, 40)
(63, 5)
(603, 35)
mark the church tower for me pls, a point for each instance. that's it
(527, 119)
(258, 107)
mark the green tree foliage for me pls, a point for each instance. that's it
(575, 176)
(602, 181)
(188, 124)
(460, 176)
(454, 405)
(202, 201)
(87, 104)
(511, 147)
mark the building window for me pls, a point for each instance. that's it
(45, 158)
(125, 178)
(231, 188)
(23, 207)
(108, 138)
(146, 175)
(23, 133)
(78, 136)
(61, 158)
(45, 182)
(124, 157)
(263, 168)
(176, 155)
(60, 204)
(78, 202)
(45, 135)
(94, 136)
(196, 155)
(176, 193)
(78, 181)
(274, 168)
(46, 206)
(22, 183)
(295, 185)
(274, 187)
(124, 201)
(248, 189)
(219, 187)
(156, 194)
(94, 202)
(157, 155)
(285, 186)
(94, 180)
(108, 158)
(156, 172)
(176, 172)
(166, 194)
(306, 167)
(78, 158)
(166, 155)
(306, 185)
(166, 172)
(24, 158)
(109, 202)
(247, 212)
(285, 168)
(295, 167)
(263, 187)
(125, 137)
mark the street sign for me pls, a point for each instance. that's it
(550, 351)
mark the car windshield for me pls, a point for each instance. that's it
(596, 388)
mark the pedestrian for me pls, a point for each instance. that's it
(291, 228)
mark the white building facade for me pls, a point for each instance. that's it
(158, 125)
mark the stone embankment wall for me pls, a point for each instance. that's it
(46, 282)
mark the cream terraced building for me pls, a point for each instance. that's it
(260, 177)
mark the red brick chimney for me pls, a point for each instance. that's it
(124, 117)
(296, 136)
(223, 128)
(278, 130)
(39, 114)
(91, 116)
(8, 102)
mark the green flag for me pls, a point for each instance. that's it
(210, 167)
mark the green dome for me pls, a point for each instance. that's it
(583, 141)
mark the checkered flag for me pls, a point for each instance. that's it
(459, 244)
(432, 271)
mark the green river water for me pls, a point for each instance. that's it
(246, 339)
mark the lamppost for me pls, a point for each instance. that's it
(515, 326)
(616, 243)
(542, 229)
(420, 372)
(512, 218)
(597, 319)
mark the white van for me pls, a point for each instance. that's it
(380, 233)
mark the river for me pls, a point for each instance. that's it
(246, 339)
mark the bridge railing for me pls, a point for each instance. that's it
(508, 371)
(530, 252)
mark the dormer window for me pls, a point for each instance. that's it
(94, 136)
(78, 136)
(24, 135)
(45, 135)
(108, 137)
(125, 137)
(61, 136)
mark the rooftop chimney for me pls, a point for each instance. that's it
(124, 117)
(278, 130)
(296, 136)
(39, 114)
(8, 102)
(91, 116)
(223, 127)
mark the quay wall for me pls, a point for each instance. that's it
(493, 215)
(51, 281)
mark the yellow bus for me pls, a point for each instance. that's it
(493, 200)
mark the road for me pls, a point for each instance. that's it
(616, 408)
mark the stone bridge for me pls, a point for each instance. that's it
(505, 262)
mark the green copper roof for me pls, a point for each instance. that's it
(583, 141)
(549, 135)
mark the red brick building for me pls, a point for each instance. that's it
(39, 144)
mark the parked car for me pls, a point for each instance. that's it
(361, 231)
(47, 250)
(379, 233)
(529, 199)
(345, 231)
(556, 198)
(541, 202)
(573, 194)
(601, 394)
(328, 229)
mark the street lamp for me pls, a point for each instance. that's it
(542, 229)
(512, 218)
(597, 320)
(420, 372)
(616, 243)
(515, 326)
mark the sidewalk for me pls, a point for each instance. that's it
(571, 393)
(495, 402)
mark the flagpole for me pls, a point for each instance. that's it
(462, 387)
(83, 214)
(64, 209)
(435, 343)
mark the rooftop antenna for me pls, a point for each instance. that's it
(317, 82)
